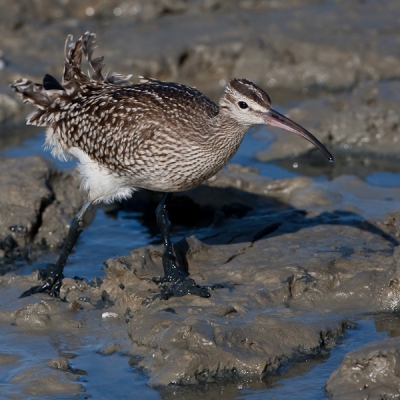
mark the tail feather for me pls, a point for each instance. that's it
(73, 77)
(32, 93)
(89, 44)
(73, 73)
(47, 96)
(74, 50)
(38, 96)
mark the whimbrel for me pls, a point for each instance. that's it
(155, 135)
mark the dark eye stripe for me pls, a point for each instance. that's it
(242, 104)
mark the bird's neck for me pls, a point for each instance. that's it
(226, 134)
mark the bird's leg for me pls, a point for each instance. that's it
(53, 276)
(172, 271)
(175, 281)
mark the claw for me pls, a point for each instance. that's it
(182, 288)
(51, 286)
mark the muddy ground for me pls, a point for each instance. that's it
(300, 259)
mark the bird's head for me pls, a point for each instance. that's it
(249, 105)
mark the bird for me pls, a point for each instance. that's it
(161, 136)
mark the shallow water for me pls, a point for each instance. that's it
(104, 377)
(313, 374)
(111, 376)
(386, 179)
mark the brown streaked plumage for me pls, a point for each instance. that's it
(156, 135)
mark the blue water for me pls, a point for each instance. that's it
(34, 146)
(257, 139)
(386, 179)
(109, 236)
(103, 377)
(111, 376)
(311, 384)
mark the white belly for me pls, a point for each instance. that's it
(101, 183)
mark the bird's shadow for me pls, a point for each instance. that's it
(228, 215)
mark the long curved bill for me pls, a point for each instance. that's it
(274, 118)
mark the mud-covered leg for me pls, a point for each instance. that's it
(175, 281)
(54, 274)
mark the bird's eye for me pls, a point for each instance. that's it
(243, 104)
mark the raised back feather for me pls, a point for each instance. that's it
(48, 95)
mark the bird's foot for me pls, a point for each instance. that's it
(51, 286)
(176, 281)
(183, 286)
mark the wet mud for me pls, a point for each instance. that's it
(300, 259)
(370, 371)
